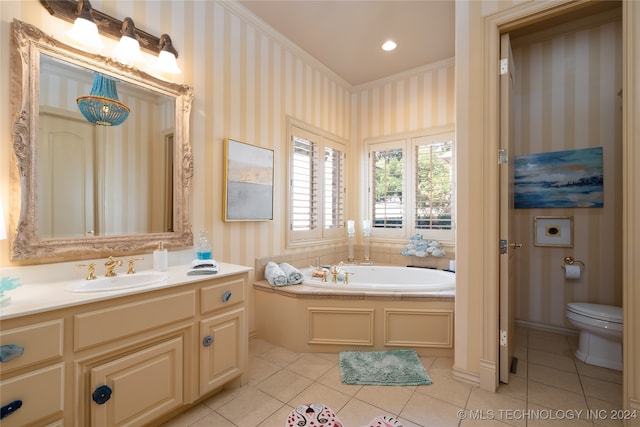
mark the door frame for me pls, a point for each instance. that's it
(493, 26)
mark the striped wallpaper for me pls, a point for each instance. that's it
(566, 97)
(416, 100)
(247, 80)
(423, 98)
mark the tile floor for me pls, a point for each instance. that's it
(550, 388)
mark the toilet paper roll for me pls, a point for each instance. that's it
(572, 272)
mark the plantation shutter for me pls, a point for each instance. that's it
(333, 188)
(304, 185)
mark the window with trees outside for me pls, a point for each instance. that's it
(411, 187)
(316, 185)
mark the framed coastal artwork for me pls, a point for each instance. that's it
(559, 179)
(553, 231)
(248, 182)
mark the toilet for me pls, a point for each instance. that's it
(600, 327)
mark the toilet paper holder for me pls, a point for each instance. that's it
(569, 260)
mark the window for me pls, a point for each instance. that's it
(316, 186)
(411, 187)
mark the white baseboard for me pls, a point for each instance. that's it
(547, 328)
(466, 376)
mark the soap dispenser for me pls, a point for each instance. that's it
(160, 258)
(203, 248)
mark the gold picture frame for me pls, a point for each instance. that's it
(248, 182)
(553, 231)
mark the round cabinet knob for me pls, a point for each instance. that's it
(226, 296)
(101, 394)
(207, 341)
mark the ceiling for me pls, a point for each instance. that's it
(346, 35)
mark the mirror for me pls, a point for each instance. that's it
(88, 189)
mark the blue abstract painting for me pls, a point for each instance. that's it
(559, 179)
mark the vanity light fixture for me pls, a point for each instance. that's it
(128, 50)
(124, 31)
(102, 106)
(167, 58)
(107, 25)
(389, 45)
(85, 30)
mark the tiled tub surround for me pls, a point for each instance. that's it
(307, 319)
(381, 254)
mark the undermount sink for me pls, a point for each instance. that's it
(115, 283)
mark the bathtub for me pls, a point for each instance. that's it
(381, 308)
(386, 278)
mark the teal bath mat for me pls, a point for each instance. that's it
(393, 367)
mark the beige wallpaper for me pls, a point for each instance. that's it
(566, 97)
(246, 82)
(422, 99)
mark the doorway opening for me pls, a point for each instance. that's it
(566, 95)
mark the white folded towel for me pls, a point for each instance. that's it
(293, 275)
(203, 266)
(274, 275)
(200, 263)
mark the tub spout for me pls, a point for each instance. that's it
(335, 270)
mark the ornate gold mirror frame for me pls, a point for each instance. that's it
(29, 43)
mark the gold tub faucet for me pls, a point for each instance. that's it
(335, 270)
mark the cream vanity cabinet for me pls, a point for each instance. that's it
(223, 353)
(126, 361)
(32, 372)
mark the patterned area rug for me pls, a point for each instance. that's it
(393, 367)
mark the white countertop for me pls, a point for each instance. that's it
(40, 296)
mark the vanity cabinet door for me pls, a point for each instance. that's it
(135, 389)
(223, 346)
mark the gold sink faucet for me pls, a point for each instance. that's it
(91, 272)
(132, 262)
(110, 265)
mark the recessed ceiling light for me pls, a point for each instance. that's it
(389, 45)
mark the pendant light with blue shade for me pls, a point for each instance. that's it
(102, 106)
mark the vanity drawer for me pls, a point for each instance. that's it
(109, 324)
(39, 342)
(35, 395)
(221, 295)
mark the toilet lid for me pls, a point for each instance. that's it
(597, 311)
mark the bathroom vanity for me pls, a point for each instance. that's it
(132, 357)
